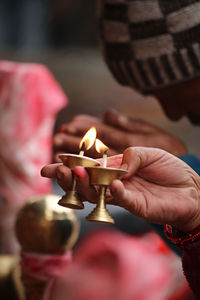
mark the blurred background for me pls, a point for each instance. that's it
(63, 35)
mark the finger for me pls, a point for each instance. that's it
(134, 158)
(64, 177)
(118, 191)
(70, 144)
(49, 171)
(80, 124)
(83, 185)
(139, 159)
(123, 197)
(112, 137)
(114, 161)
(126, 123)
(115, 119)
(131, 161)
(66, 142)
(56, 158)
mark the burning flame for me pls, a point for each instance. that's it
(100, 147)
(88, 139)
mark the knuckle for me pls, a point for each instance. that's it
(128, 151)
(60, 172)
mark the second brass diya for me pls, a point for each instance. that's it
(72, 199)
(103, 177)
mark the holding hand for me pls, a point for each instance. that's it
(158, 187)
(118, 132)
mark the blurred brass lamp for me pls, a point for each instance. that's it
(46, 233)
(102, 177)
(72, 199)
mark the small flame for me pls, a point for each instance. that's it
(100, 147)
(89, 138)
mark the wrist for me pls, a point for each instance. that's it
(190, 225)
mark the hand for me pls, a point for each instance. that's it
(64, 177)
(140, 133)
(118, 132)
(69, 138)
(158, 187)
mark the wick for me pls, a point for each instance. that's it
(82, 149)
(105, 159)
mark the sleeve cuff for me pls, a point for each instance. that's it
(192, 161)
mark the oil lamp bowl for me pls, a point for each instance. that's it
(104, 176)
(74, 160)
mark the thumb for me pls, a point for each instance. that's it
(141, 158)
(132, 160)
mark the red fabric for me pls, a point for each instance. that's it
(111, 265)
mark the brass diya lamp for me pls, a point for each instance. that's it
(72, 199)
(102, 177)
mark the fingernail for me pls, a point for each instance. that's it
(42, 172)
(124, 167)
(123, 120)
(70, 129)
(58, 141)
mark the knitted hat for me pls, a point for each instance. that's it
(148, 44)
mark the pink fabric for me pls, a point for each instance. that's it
(30, 98)
(45, 267)
(111, 265)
